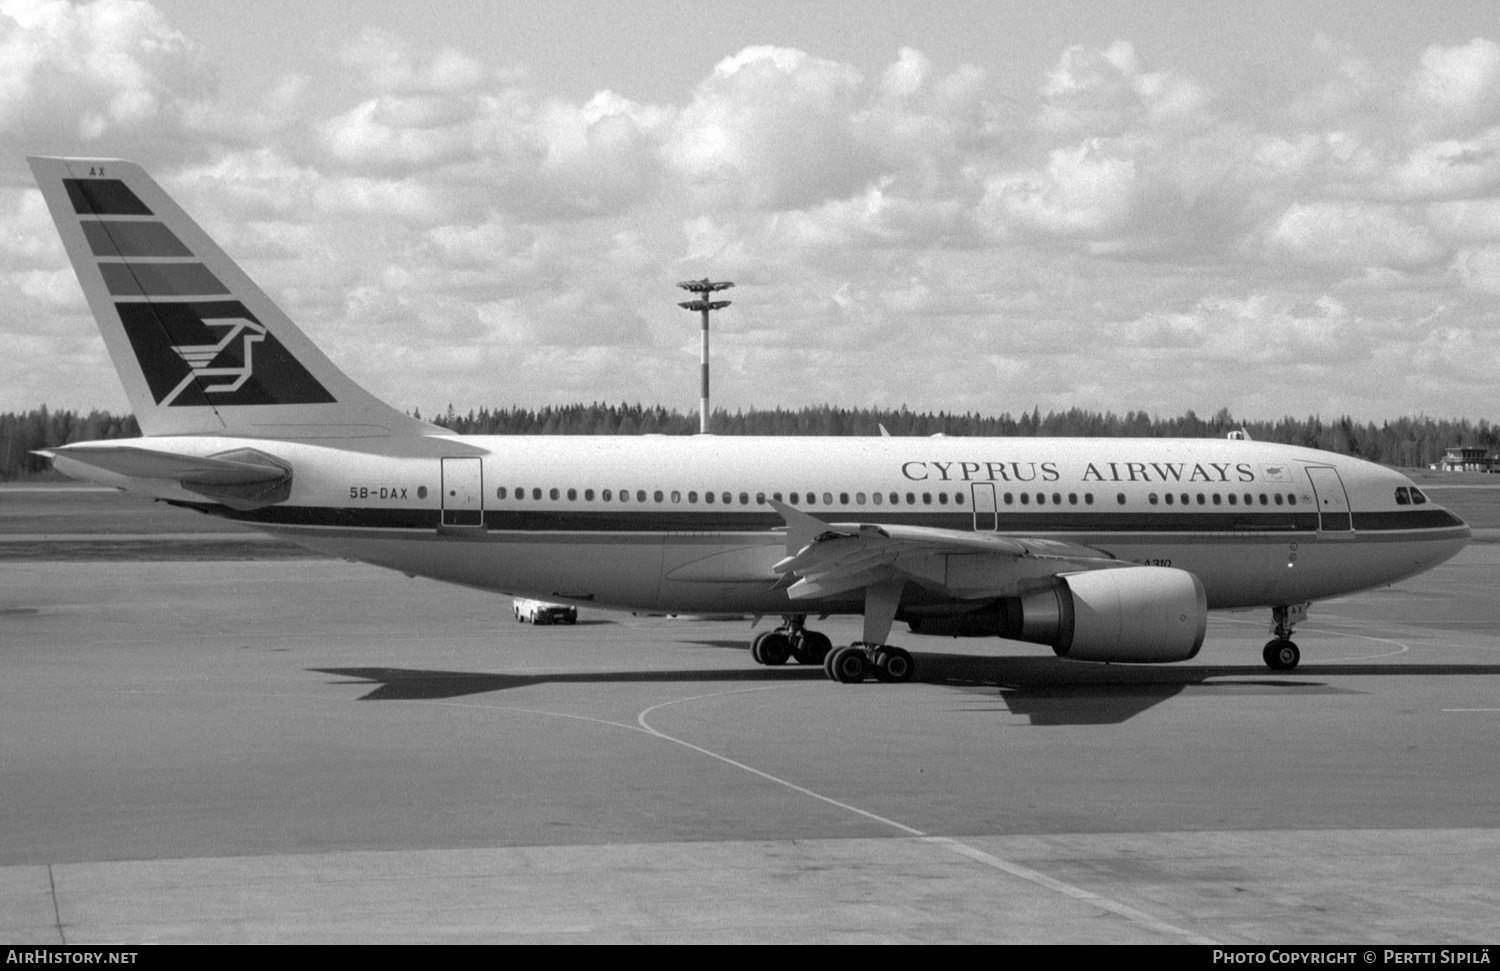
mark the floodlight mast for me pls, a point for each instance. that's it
(704, 287)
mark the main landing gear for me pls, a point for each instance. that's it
(1281, 654)
(850, 664)
(857, 661)
(791, 641)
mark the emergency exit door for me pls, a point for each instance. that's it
(463, 492)
(986, 513)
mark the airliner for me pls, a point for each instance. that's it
(1108, 550)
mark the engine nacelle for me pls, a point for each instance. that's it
(1140, 615)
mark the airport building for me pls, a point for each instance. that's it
(1467, 459)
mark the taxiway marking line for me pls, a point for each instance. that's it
(948, 843)
(1337, 633)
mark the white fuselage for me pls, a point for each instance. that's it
(681, 524)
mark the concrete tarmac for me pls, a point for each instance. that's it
(310, 750)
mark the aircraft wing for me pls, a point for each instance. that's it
(831, 558)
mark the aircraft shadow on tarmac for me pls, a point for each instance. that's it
(1051, 691)
(1048, 691)
(408, 684)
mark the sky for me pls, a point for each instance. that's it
(1276, 208)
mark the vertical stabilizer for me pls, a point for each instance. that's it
(199, 347)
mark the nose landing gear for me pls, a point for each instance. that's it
(1281, 654)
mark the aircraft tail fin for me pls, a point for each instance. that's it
(199, 347)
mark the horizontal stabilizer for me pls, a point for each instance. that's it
(146, 463)
(242, 479)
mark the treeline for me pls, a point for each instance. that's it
(22, 434)
(1411, 441)
(1404, 442)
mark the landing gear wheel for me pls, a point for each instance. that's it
(893, 665)
(848, 665)
(1281, 655)
(772, 648)
(813, 649)
(760, 639)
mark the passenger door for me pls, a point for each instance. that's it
(463, 492)
(1333, 502)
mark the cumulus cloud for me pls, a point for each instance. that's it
(1456, 88)
(771, 128)
(1103, 92)
(111, 73)
(1352, 234)
(439, 220)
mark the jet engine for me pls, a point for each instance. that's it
(1138, 615)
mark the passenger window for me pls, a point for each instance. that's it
(500, 493)
(1057, 498)
(859, 498)
(942, 498)
(1025, 498)
(745, 498)
(958, 498)
(708, 497)
(676, 496)
(1119, 498)
(1202, 499)
(1279, 500)
(553, 494)
(793, 500)
(640, 495)
(572, 495)
(1169, 498)
(588, 495)
(1185, 499)
(776, 496)
(536, 493)
(877, 497)
(1263, 500)
(1291, 498)
(1041, 498)
(692, 496)
(727, 498)
(1152, 498)
(911, 498)
(1072, 498)
(1088, 498)
(1233, 499)
(812, 499)
(926, 498)
(843, 498)
(1218, 499)
(1009, 498)
(827, 498)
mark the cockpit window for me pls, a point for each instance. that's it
(1403, 497)
(1417, 498)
